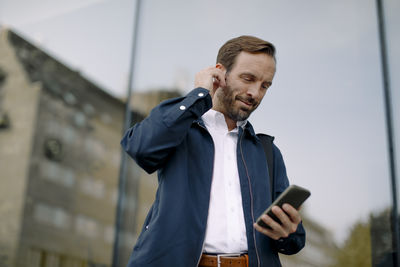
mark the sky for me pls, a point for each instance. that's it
(325, 106)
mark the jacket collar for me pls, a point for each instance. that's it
(247, 128)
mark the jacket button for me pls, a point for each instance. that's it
(182, 107)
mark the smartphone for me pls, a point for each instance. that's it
(293, 195)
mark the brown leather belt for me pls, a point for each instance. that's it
(224, 260)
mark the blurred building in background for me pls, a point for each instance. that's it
(60, 159)
(59, 162)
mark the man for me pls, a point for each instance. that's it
(212, 170)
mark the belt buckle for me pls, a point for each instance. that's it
(226, 255)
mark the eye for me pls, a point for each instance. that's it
(265, 86)
(248, 78)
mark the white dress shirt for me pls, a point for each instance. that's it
(226, 230)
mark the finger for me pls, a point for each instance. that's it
(219, 80)
(216, 84)
(222, 78)
(287, 225)
(270, 233)
(219, 75)
(206, 77)
(294, 214)
(276, 227)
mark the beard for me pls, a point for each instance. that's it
(228, 102)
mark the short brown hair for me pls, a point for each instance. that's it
(228, 52)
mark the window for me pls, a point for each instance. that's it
(86, 226)
(57, 173)
(53, 216)
(92, 187)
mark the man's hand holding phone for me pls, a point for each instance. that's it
(282, 217)
(289, 218)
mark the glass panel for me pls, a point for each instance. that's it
(392, 20)
(325, 106)
(391, 10)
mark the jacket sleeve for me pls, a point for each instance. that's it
(296, 241)
(151, 141)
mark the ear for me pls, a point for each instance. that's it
(220, 66)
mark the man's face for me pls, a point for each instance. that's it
(247, 83)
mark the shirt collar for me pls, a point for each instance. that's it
(216, 120)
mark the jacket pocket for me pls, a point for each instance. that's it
(145, 229)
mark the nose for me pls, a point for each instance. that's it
(254, 90)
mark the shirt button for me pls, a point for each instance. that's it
(182, 107)
(200, 94)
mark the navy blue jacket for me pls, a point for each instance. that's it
(174, 141)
